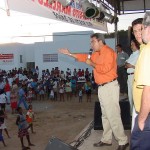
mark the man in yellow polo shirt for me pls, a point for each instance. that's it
(140, 138)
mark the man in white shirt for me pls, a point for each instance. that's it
(130, 65)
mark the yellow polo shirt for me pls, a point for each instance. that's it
(141, 75)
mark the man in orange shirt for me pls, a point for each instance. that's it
(103, 61)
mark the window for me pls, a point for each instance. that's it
(50, 57)
(21, 61)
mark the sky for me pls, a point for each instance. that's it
(20, 24)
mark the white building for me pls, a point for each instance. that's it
(45, 54)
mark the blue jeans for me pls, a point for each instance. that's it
(22, 100)
(140, 140)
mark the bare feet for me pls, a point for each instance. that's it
(31, 144)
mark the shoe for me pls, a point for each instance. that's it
(122, 147)
(99, 144)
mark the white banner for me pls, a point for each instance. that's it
(70, 14)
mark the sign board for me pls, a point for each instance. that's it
(71, 14)
(6, 59)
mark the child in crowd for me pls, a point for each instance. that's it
(13, 100)
(80, 95)
(61, 90)
(1, 122)
(3, 99)
(30, 117)
(41, 92)
(3, 125)
(30, 95)
(23, 128)
(51, 95)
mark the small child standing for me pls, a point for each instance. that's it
(80, 95)
(51, 95)
(13, 100)
(30, 117)
(30, 95)
(23, 129)
(3, 100)
(3, 125)
(2, 116)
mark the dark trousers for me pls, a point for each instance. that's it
(122, 79)
(140, 140)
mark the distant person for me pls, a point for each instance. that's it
(103, 61)
(3, 126)
(22, 97)
(122, 56)
(1, 123)
(80, 95)
(13, 101)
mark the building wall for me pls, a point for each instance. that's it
(76, 42)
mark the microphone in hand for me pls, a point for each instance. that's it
(90, 53)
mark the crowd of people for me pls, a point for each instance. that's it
(21, 86)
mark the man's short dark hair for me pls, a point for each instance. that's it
(99, 36)
(137, 21)
(119, 45)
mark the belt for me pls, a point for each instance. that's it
(106, 82)
(130, 73)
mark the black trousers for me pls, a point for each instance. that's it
(122, 79)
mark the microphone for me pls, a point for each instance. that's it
(90, 53)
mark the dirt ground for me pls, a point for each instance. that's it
(64, 120)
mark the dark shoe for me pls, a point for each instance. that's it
(99, 144)
(122, 147)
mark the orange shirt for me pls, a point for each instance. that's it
(105, 64)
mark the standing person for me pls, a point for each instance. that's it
(13, 100)
(121, 71)
(130, 65)
(80, 95)
(141, 92)
(3, 126)
(88, 87)
(23, 129)
(3, 100)
(61, 90)
(137, 33)
(55, 87)
(1, 123)
(30, 117)
(22, 97)
(7, 90)
(103, 61)
(68, 90)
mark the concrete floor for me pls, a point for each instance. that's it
(95, 137)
